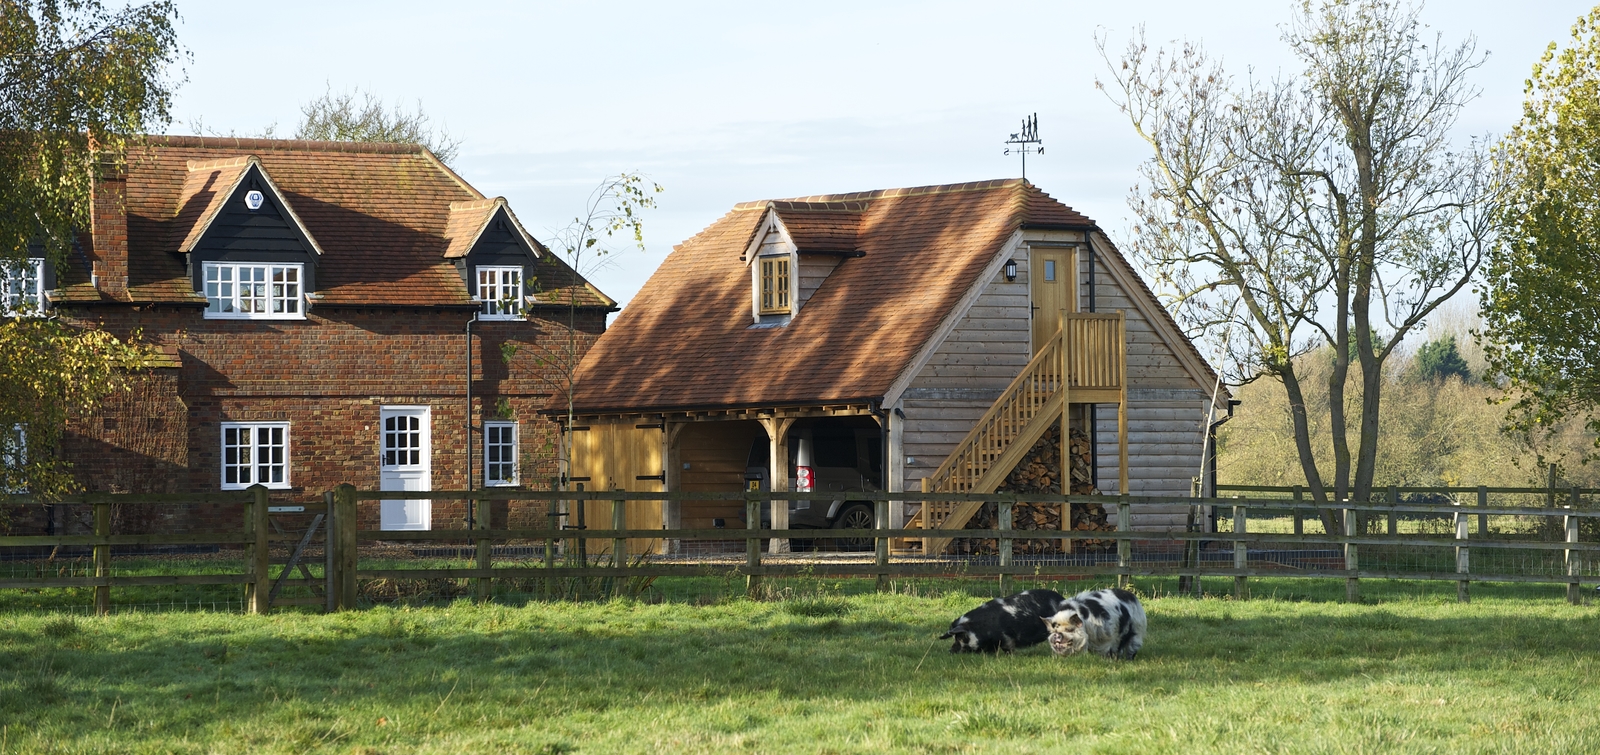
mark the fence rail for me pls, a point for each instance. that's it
(1551, 544)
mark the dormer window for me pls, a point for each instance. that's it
(500, 291)
(775, 286)
(22, 287)
(247, 291)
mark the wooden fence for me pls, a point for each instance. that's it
(1241, 553)
(254, 536)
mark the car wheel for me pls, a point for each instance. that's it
(855, 516)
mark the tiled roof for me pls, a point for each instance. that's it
(380, 213)
(685, 340)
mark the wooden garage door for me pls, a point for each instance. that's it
(621, 455)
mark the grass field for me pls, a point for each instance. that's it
(822, 667)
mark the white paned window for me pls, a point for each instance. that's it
(500, 290)
(255, 452)
(499, 453)
(22, 287)
(254, 291)
(402, 440)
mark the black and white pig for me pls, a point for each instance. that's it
(1108, 622)
(1005, 624)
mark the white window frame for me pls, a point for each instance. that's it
(267, 298)
(514, 448)
(22, 287)
(254, 463)
(501, 300)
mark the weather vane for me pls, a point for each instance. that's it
(1028, 135)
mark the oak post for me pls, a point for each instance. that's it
(1394, 518)
(1241, 555)
(344, 544)
(1352, 585)
(881, 517)
(328, 592)
(1463, 558)
(1574, 565)
(1299, 516)
(1483, 519)
(102, 557)
(482, 586)
(619, 521)
(1003, 522)
(1124, 546)
(752, 547)
(260, 587)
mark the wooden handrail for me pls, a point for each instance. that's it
(1086, 354)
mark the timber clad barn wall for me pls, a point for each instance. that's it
(385, 322)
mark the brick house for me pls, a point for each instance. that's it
(316, 306)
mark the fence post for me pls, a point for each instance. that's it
(553, 523)
(102, 557)
(619, 521)
(1352, 585)
(752, 547)
(1550, 487)
(881, 517)
(1463, 565)
(1124, 546)
(1241, 555)
(328, 581)
(1299, 516)
(344, 545)
(482, 586)
(257, 553)
(1483, 519)
(1394, 518)
(1004, 522)
(1574, 589)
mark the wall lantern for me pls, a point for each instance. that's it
(1011, 270)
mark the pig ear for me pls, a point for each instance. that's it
(1074, 621)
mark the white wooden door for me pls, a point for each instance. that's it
(406, 450)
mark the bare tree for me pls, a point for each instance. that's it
(612, 221)
(1329, 203)
(340, 118)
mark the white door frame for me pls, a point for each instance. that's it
(403, 514)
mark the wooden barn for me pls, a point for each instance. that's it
(901, 340)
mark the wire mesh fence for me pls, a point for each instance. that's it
(277, 560)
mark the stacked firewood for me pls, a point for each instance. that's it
(1038, 472)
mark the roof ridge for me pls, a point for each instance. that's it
(221, 162)
(865, 196)
(298, 145)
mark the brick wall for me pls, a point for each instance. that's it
(328, 376)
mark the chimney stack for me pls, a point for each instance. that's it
(109, 233)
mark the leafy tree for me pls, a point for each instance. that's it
(78, 85)
(1541, 301)
(340, 118)
(1438, 360)
(1325, 203)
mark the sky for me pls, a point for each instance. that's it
(728, 102)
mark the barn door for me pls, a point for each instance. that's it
(1052, 284)
(405, 463)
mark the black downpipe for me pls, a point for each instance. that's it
(471, 513)
(1211, 456)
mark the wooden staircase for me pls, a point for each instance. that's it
(1085, 363)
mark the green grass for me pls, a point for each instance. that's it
(827, 668)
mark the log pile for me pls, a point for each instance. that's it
(1037, 473)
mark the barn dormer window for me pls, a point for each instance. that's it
(500, 291)
(775, 286)
(22, 287)
(253, 291)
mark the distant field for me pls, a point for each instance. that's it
(820, 668)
